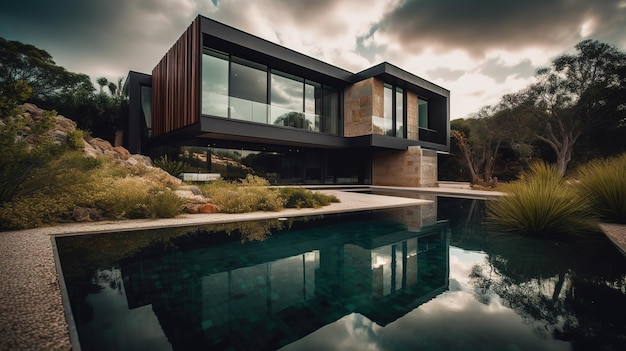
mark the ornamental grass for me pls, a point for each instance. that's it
(541, 203)
(603, 182)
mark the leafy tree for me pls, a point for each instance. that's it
(293, 119)
(481, 138)
(577, 96)
(24, 62)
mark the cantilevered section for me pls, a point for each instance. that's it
(222, 97)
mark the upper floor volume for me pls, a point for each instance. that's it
(222, 97)
(216, 74)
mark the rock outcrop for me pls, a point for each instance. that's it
(193, 200)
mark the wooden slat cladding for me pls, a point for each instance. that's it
(176, 84)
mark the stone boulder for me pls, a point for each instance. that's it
(85, 214)
(191, 201)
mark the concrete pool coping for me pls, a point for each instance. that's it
(32, 316)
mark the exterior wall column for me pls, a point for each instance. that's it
(415, 167)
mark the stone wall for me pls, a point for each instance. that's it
(362, 100)
(415, 167)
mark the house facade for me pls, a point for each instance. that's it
(228, 103)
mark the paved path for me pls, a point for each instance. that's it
(617, 234)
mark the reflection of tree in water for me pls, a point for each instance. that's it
(572, 290)
(293, 119)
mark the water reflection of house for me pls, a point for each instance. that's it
(274, 292)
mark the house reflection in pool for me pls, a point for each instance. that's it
(264, 295)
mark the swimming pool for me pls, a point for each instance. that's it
(428, 277)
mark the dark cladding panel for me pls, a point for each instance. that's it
(176, 84)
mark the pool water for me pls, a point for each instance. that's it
(429, 277)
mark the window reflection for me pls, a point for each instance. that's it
(422, 113)
(399, 113)
(243, 94)
(215, 84)
(248, 91)
(387, 126)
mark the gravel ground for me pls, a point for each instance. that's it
(31, 312)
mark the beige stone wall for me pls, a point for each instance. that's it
(411, 116)
(415, 167)
(362, 100)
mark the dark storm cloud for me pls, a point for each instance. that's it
(476, 26)
(96, 37)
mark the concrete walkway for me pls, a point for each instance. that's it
(31, 310)
(617, 234)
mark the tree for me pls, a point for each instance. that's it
(112, 107)
(480, 140)
(293, 119)
(576, 95)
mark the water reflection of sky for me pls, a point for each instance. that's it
(454, 320)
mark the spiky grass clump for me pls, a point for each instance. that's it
(603, 182)
(540, 203)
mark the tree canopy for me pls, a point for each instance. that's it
(576, 106)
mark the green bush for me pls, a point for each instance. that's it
(243, 196)
(295, 197)
(165, 204)
(603, 182)
(172, 167)
(75, 138)
(540, 203)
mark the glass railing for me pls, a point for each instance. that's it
(252, 111)
(295, 119)
(382, 126)
(248, 110)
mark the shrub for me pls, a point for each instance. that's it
(247, 195)
(172, 167)
(540, 203)
(75, 138)
(295, 197)
(165, 204)
(603, 182)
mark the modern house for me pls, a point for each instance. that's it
(229, 103)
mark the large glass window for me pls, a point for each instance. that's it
(399, 113)
(313, 104)
(422, 113)
(287, 102)
(387, 127)
(214, 84)
(237, 88)
(329, 119)
(248, 91)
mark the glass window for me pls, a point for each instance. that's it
(399, 113)
(214, 84)
(329, 119)
(422, 113)
(146, 106)
(287, 102)
(313, 103)
(388, 111)
(248, 91)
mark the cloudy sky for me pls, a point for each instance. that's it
(478, 50)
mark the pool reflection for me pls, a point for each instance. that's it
(267, 294)
(430, 277)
